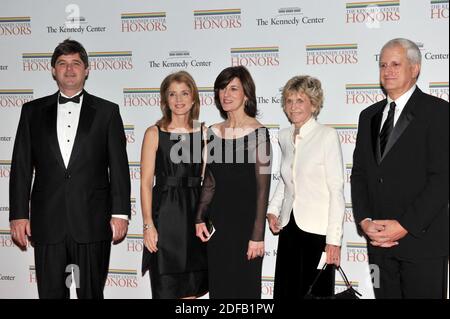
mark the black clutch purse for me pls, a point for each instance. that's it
(349, 293)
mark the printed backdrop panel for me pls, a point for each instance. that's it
(133, 45)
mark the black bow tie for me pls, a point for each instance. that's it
(74, 99)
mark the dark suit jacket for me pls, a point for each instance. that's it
(77, 200)
(410, 182)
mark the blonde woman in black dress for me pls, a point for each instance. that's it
(172, 156)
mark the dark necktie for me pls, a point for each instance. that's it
(74, 99)
(388, 127)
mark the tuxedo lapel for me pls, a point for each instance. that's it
(50, 123)
(375, 130)
(87, 115)
(403, 122)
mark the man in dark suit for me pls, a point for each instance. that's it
(400, 180)
(75, 144)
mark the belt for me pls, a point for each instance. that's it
(175, 181)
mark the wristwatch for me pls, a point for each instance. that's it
(147, 226)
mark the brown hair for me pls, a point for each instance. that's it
(180, 77)
(225, 77)
(70, 47)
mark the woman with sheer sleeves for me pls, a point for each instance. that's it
(308, 205)
(235, 190)
(171, 155)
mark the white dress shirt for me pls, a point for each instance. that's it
(399, 105)
(311, 182)
(66, 126)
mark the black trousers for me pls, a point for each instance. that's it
(55, 263)
(298, 255)
(402, 278)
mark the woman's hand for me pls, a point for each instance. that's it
(255, 249)
(274, 223)
(151, 239)
(201, 231)
(333, 254)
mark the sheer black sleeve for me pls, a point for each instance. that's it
(263, 168)
(206, 196)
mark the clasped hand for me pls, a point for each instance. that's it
(383, 233)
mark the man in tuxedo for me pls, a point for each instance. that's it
(400, 180)
(80, 200)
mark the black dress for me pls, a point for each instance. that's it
(234, 199)
(179, 268)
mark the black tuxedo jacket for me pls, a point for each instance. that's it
(410, 182)
(77, 200)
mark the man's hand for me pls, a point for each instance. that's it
(20, 229)
(119, 228)
(372, 230)
(389, 236)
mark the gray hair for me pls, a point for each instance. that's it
(412, 50)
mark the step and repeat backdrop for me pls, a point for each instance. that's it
(133, 45)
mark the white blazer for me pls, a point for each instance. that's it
(312, 181)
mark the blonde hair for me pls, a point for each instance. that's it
(307, 85)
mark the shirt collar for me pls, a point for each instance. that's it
(69, 104)
(70, 96)
(306, 128)
(402, 100)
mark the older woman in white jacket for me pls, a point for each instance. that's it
(307, 208)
